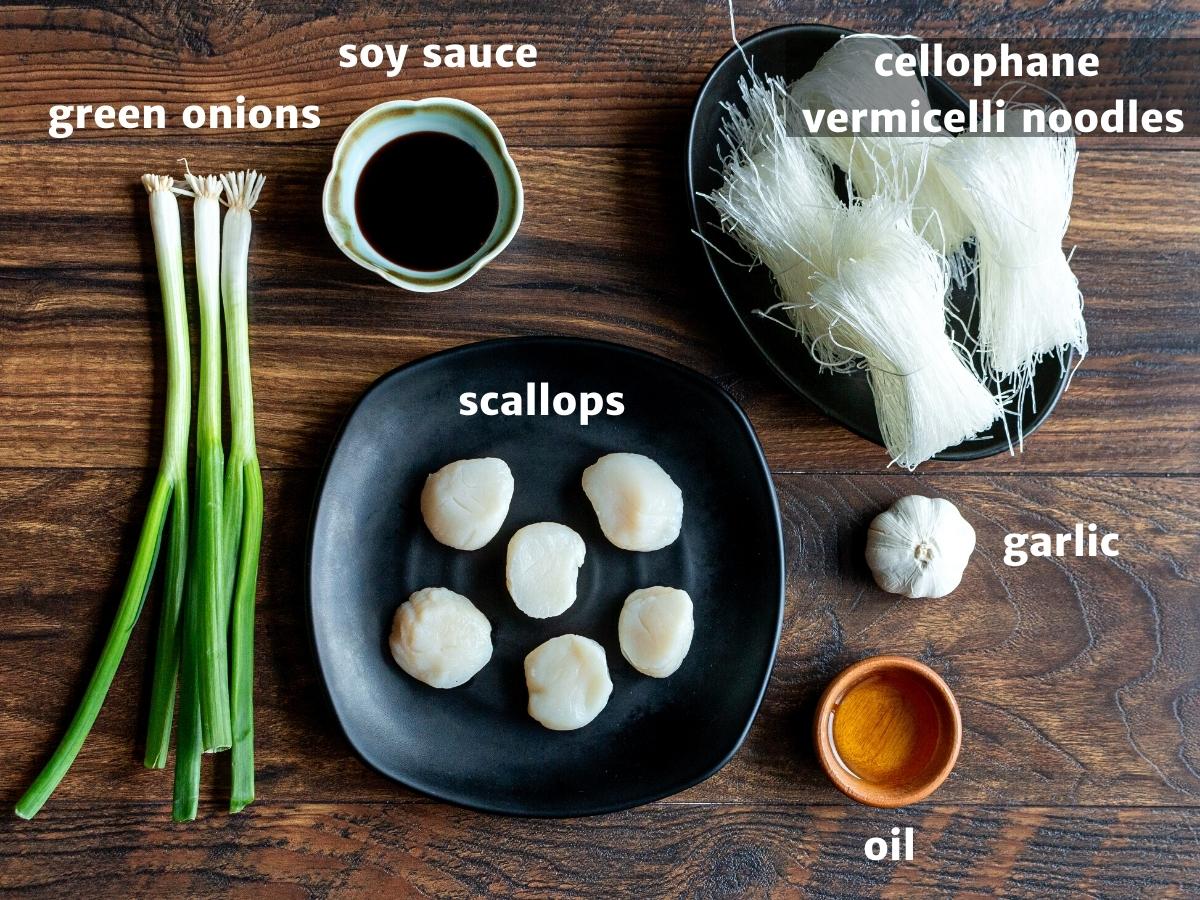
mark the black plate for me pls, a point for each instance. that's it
(790, 51)
(476, 745)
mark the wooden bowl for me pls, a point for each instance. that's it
(894, 691)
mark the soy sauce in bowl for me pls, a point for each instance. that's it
(427, 201)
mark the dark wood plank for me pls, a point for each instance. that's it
(1076, 677)
(355, 849)
(604, 252)
(606, 74)
(1081, 763)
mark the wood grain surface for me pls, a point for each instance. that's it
(1078, 678)
(671, 849)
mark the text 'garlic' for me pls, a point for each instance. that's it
(919, 547)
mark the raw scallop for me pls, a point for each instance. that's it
(568, 682)
(655, 629)
(543, 568)
(440, 638)
(637, 503)
(464, 503)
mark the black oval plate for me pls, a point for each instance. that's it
(476, 745)
(790, 51)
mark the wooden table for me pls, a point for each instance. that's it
(1078, 678)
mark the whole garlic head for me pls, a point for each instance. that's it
(919, 547)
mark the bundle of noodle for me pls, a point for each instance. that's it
(861, 286)
(778, 202)
(1016, 189)
(881, 288)
(889, 165)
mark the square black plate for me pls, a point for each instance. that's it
(476, 745)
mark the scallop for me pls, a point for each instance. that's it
(637, 503)
(655, 629)
(568, 682)
(464, 503)
(543, 568)
(440, 638)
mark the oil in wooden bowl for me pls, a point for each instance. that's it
(888, 731)
(427, 201)
(886, 728)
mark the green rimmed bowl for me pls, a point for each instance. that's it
(384, 123)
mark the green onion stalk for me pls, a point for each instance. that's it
(204, 645)
(189, 747)
(243, 500)
(168, 497)
(166, 656)
(205, 573)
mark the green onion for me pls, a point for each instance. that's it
(207, 213)
(242, 638)
(243, 504)
(170, 488)
(205, 578)
(206, 567)
(188, 745)
(166, 656)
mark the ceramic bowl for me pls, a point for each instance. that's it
(384, 123)
(946, 742)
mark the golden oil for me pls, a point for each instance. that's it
(886, 728)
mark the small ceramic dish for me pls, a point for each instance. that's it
(384, 123)
(931, 747)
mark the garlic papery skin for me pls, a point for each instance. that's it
(919, 547)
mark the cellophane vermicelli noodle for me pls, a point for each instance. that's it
(889, 165)
(1016, 189)
(862, 287)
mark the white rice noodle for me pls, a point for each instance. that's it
(863, 289)
(882, 290)
(894, 166)
(778, 202)
(1017, 190)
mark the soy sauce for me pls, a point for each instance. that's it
(426, 201)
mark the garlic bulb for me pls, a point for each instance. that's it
(919, 547)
